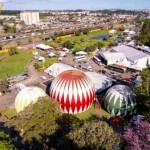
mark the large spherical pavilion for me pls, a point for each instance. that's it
(73, 90)
(27, 96)
(120, 101)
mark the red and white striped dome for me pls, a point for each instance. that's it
(74, 90)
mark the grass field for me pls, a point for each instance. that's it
(15, 64)
(78, 45)
(91, 111)
(84, 115)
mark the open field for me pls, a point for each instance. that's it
(79, 45)
(15, 64)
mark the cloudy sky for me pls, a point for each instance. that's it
(75, 4)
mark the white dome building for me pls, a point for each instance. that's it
(27, 96)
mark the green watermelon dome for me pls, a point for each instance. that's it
(120, 100)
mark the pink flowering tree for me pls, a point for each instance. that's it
(138, 137)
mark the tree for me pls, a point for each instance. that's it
(138, 137)
(38, 121)
(105, 38)
(68, 44)
(113, 44)
(77, 33)
(146, 27)
(85, 31)
(6, 142)
(9, 29)
(95, 135)
(90, 48)
(69, 122)
(143, 91)
(3, 86)
(13, 51)
(82, 40)
(100, 45)
(144, 37)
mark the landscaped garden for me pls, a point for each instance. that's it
(84, 40)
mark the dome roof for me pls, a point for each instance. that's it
(27, 96)
(74, 90)
(120, 100)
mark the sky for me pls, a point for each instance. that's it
(74, 4)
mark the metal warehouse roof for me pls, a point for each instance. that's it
(131, 53)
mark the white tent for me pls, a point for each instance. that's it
(57, 68)
(66, 50)
(126, 31)
(43, 47)
(100, 82)
(132, 43)
(81, 53)
(62, 53)
(51, 54)
(112, 31)
(41, 59)
(132, 33)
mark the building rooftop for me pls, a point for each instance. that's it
(131, 53)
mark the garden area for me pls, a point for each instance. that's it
(83, 41)
(14, 64)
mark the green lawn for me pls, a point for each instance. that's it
(48, 62)
(91, 111)
(85, 115)
(15, 64)
(10, 113)
(78, 45)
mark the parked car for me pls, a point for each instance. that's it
(113, 74)
(86, 65)
(102, 71)
(43, 77)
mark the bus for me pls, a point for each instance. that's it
(117, 68)
(79, 58)
(96, 60)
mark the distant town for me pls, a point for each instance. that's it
(75, 79)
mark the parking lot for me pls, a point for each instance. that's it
(95, 67)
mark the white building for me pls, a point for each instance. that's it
(113, 58)
(30, 17)
(137, 59)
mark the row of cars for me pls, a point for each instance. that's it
(133, 79)
(13, 79)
